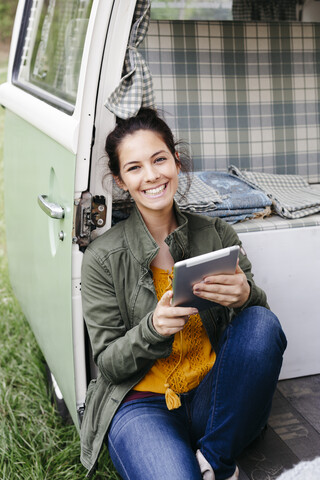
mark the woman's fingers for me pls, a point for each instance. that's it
(227, 290)
(166, 298)
(168, 320)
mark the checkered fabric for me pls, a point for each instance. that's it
(135, 89)
(265, 9)
(199, 198)
(246, 94)
(291, 195)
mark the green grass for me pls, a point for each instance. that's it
(34, 442)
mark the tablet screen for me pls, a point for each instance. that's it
(191, 271)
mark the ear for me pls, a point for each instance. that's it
(178, 163)
(120, 183)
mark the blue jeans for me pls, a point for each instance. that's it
(223, 415)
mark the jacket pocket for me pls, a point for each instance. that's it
(97, 396)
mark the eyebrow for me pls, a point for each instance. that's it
(137, 161)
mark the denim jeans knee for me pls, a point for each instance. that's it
(262, 330)
(244, 379)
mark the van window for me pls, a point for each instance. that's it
(191, 10)
(256, 10)
(51, 45)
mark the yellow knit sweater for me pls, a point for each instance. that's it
(191, 358)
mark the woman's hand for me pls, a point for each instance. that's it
(227, 290)
(168, 320)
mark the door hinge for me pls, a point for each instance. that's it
(90, 213)
(80, 411)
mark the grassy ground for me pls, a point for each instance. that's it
(34, 443)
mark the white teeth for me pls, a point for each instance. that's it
(155, 191)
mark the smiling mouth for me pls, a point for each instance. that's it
(155, 191)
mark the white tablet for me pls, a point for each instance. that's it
(191, 271)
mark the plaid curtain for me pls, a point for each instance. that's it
(265, 10)
(135, 89)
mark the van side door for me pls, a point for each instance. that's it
(50, 98)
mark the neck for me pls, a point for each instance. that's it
(161, 224)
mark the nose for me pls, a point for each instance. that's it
(152, 174)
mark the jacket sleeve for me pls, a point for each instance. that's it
(119, 352)
(229, 237)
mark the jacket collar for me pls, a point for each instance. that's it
(143, 246)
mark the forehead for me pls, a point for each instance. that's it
(141, 143)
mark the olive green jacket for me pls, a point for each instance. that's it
(119, 298)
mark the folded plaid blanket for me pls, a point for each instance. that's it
(291, 195)
(199, 198)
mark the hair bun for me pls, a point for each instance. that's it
(144, 112)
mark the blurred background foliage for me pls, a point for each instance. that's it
(7, 12)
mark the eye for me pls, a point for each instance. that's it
(160, 159)
(133, 168)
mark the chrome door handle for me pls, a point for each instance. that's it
(51, 209)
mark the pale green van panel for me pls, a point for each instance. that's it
(39, 262)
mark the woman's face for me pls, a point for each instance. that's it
(149, 171)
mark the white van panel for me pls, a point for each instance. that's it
(291, 292)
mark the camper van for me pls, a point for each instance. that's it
(238, 80)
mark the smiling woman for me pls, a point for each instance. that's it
(158, 363)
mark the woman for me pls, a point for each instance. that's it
(179, 394)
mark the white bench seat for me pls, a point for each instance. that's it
(274, 222)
